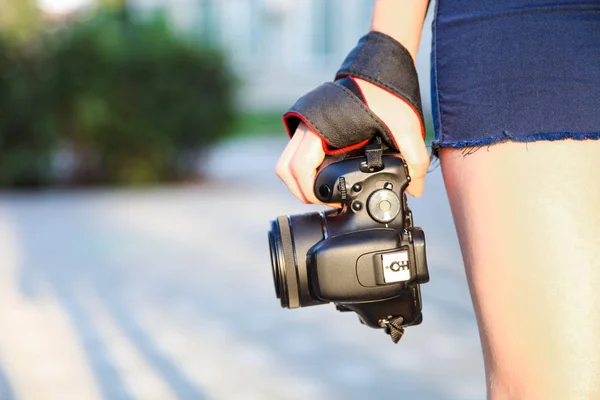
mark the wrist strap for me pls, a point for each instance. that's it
(337, 111)
(338, 115)
(381, 60)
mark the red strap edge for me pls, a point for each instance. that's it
(332, 151)
(328, 148)
(285, 124)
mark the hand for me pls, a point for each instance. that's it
(297, 166)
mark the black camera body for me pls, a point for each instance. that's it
(365, 257)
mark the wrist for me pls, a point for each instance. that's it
(402, 20)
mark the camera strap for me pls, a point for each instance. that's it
(395, 329)
(374, 154)
(337, 111)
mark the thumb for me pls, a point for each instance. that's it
(405, 126)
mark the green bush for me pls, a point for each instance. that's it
(133, 102)
(137, 100)
(27, 134)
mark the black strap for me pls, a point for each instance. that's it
(395, 329)
(349, 84)
(338, 115)
(374, 154)
(337, 110)
(381, 60)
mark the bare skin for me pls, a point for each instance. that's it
(528, 222)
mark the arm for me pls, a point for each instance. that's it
(403, 21)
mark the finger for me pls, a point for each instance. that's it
(405, 126)
(283, 170)
(413, 149)
(307, 158)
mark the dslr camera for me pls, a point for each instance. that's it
(365, 257)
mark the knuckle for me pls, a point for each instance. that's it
(306, 191)
(297, 169)
(309, 197)
(282, 171)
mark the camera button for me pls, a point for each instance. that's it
(357, 205)
(384, 206)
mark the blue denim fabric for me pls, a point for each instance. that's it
(521, 70)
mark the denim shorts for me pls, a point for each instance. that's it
(515, 70)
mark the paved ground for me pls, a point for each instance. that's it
(167, 293)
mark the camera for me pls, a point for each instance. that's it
(365, 257)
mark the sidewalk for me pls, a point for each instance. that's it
(167, 293)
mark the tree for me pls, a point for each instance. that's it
(19, 20)
(119, 6)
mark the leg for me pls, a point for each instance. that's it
(528, 221)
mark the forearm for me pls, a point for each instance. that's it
(401, 19)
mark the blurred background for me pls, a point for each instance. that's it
(138, 140)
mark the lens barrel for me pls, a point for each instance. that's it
(283, 264)
(290, 239)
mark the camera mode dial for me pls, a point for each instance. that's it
(384, 206)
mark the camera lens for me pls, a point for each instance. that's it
(290, 239)
(273, 249)
(282, 261)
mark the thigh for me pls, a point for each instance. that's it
(528, 221)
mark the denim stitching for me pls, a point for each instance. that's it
(507, 136)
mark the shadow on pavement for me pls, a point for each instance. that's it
(66, 252)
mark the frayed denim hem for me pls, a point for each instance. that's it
(506, 136)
